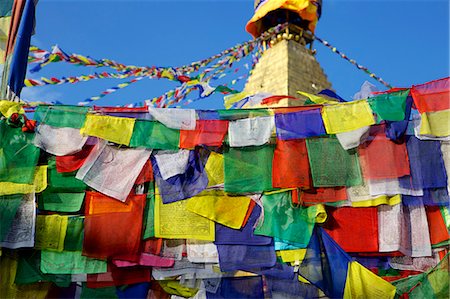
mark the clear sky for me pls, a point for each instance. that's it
(404, 41)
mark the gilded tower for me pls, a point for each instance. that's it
(288, 63)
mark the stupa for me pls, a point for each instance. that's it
(288, 63)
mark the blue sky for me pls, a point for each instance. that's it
(404, 42)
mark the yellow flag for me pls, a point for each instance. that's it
(174, 287)
(7, 108)
(50, 232)
(362, 283)
(319, 213)
(220, 207)
(5, 23)
(317, 99)
(435, 123)
(229, 100)
(115, 129)
(292, 255)
(39, 184)
(379, 200)
(344, 117)
(174, 221)
(214, 169)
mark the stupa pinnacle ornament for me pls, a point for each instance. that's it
(288, 64)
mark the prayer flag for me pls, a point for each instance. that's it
(207, 132)
(113, 170)
(290, 167)
(59, 141)
(115, 129)
(432, 96)
(187, 184)
(331, 165)
(154, 135)
(362, 283)
(18, 155)
(301, 124)
(344, 117)
(112, 229)
(286, 222)
(174, 221)
(50, 232)
(220, 207)
(250, 131)
(174, 118)
(61, 116)
(354, 229)
(389, 106)
(325, 264)
(381, 158)
(70, 262)
(248, 169)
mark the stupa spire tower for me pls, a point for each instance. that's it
(288, 63)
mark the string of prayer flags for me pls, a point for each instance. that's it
(181, 211)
